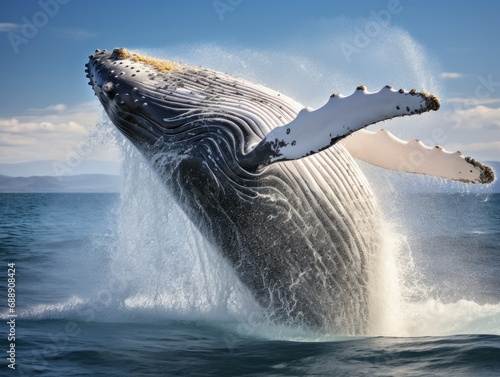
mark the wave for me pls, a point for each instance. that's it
(429, 318)
(435, 318)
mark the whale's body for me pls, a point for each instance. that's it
(300, 233)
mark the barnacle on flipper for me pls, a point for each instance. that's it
(487, 174)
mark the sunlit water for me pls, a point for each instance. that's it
(106, 291)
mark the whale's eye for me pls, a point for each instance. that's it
(109, 89)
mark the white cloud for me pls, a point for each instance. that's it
(57, 108)
(451, 75)
(6, 27)
(474, 131)
(73, 33)
(47, 135)
(12, 140)
(480, 117)
(77, 33)
(492, 145)
(473, 101)
(482, 151)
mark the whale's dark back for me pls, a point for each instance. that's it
(300, 234)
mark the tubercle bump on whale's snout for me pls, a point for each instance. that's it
(102, 73)
(92, 70)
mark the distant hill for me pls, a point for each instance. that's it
(71, 183)
(47, 168)
(382, 179)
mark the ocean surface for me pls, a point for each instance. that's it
(121, 284)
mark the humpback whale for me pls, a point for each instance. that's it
(272, 184)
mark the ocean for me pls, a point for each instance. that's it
(122, 284)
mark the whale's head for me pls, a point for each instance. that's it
(130, 87)
(158, 103)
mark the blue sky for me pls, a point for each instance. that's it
(304, 48)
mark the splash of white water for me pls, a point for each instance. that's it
(192, 278)
(166, 264)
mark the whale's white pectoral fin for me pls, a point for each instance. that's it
(385, 150)
(313, 131)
